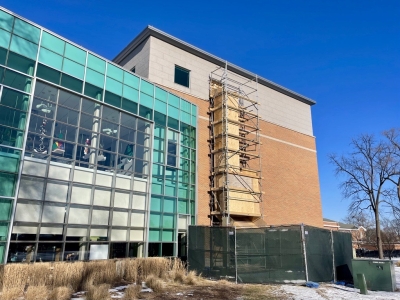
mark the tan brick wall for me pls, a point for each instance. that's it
(289, 169)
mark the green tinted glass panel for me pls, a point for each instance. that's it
(113, 86)
(194, 121)
(71, 83)
(160, 118)
(7, 184)
(130, 93)
(145, 112)
(93, 91)
(5, 38)
(9, 162)
(192, 208)
(75, 54)
(96, 63)
(168, 221)
(5, 209)
(147, 88)
(186, 106)
(53, 43)
(159, 131)
(112, 99)
(73, 68)
(183, 192)
(161, 94)
(155, 220)
(156, 188)
(182, 206)
(155, 204)
(10, 137)
(173, 112)
(169, 205)
(17, 81)
(3, 55)
(131, 80)
(168, 236)
(158, 157)
(185, 129)
(160, 106)
(154, 235)
(20, 63)
(158, 170)
(185, 117)
(3, 237)
(115, 72)
(173, 123)
(48, 74)
(194, 110)
(6, 20)
(146, 100)
(130, 106)
(170, 190)
(14, 99)
(27, 31)
(158, 144)
(23, 47)
(173, 100)
(95, 78)
(50, 58)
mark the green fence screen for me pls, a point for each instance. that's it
(270, 254)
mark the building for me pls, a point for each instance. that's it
(285, 142)
(99, 162)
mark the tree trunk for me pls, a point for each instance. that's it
(378, 233)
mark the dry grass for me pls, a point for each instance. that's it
(133, 292)
(192, 278)
(37, 293)
(68, 275)
(99, 292)
(398, 263)
(11, 294)
(156, 284)
(15, 276)
(61, 293)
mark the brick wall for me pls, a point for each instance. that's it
(289, 170)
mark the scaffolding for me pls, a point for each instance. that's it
(234, 141)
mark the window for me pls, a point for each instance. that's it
(181, 76)
(133, 70)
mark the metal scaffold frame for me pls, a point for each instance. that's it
(234, 136)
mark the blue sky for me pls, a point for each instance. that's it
(343, 54)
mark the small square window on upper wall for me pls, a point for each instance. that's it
(181, 76)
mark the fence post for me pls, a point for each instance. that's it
(333, 258)
(236, 271)
(303, 238)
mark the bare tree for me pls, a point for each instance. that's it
(390, 235)
(362, 219)
(393, 135)
(367, 172)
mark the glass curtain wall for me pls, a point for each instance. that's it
(82, 191)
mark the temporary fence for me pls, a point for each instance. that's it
(295, 253)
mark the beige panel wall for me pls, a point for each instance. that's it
(275, 108)
(139, 58)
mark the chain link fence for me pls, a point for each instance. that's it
(278, 254)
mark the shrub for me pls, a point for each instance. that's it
(61, 293)
(154, 283)
(11, 294)
(68, 275)
(191, 278)
(99, 292)
(398, 263)
(36, 293)
(133, 292)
